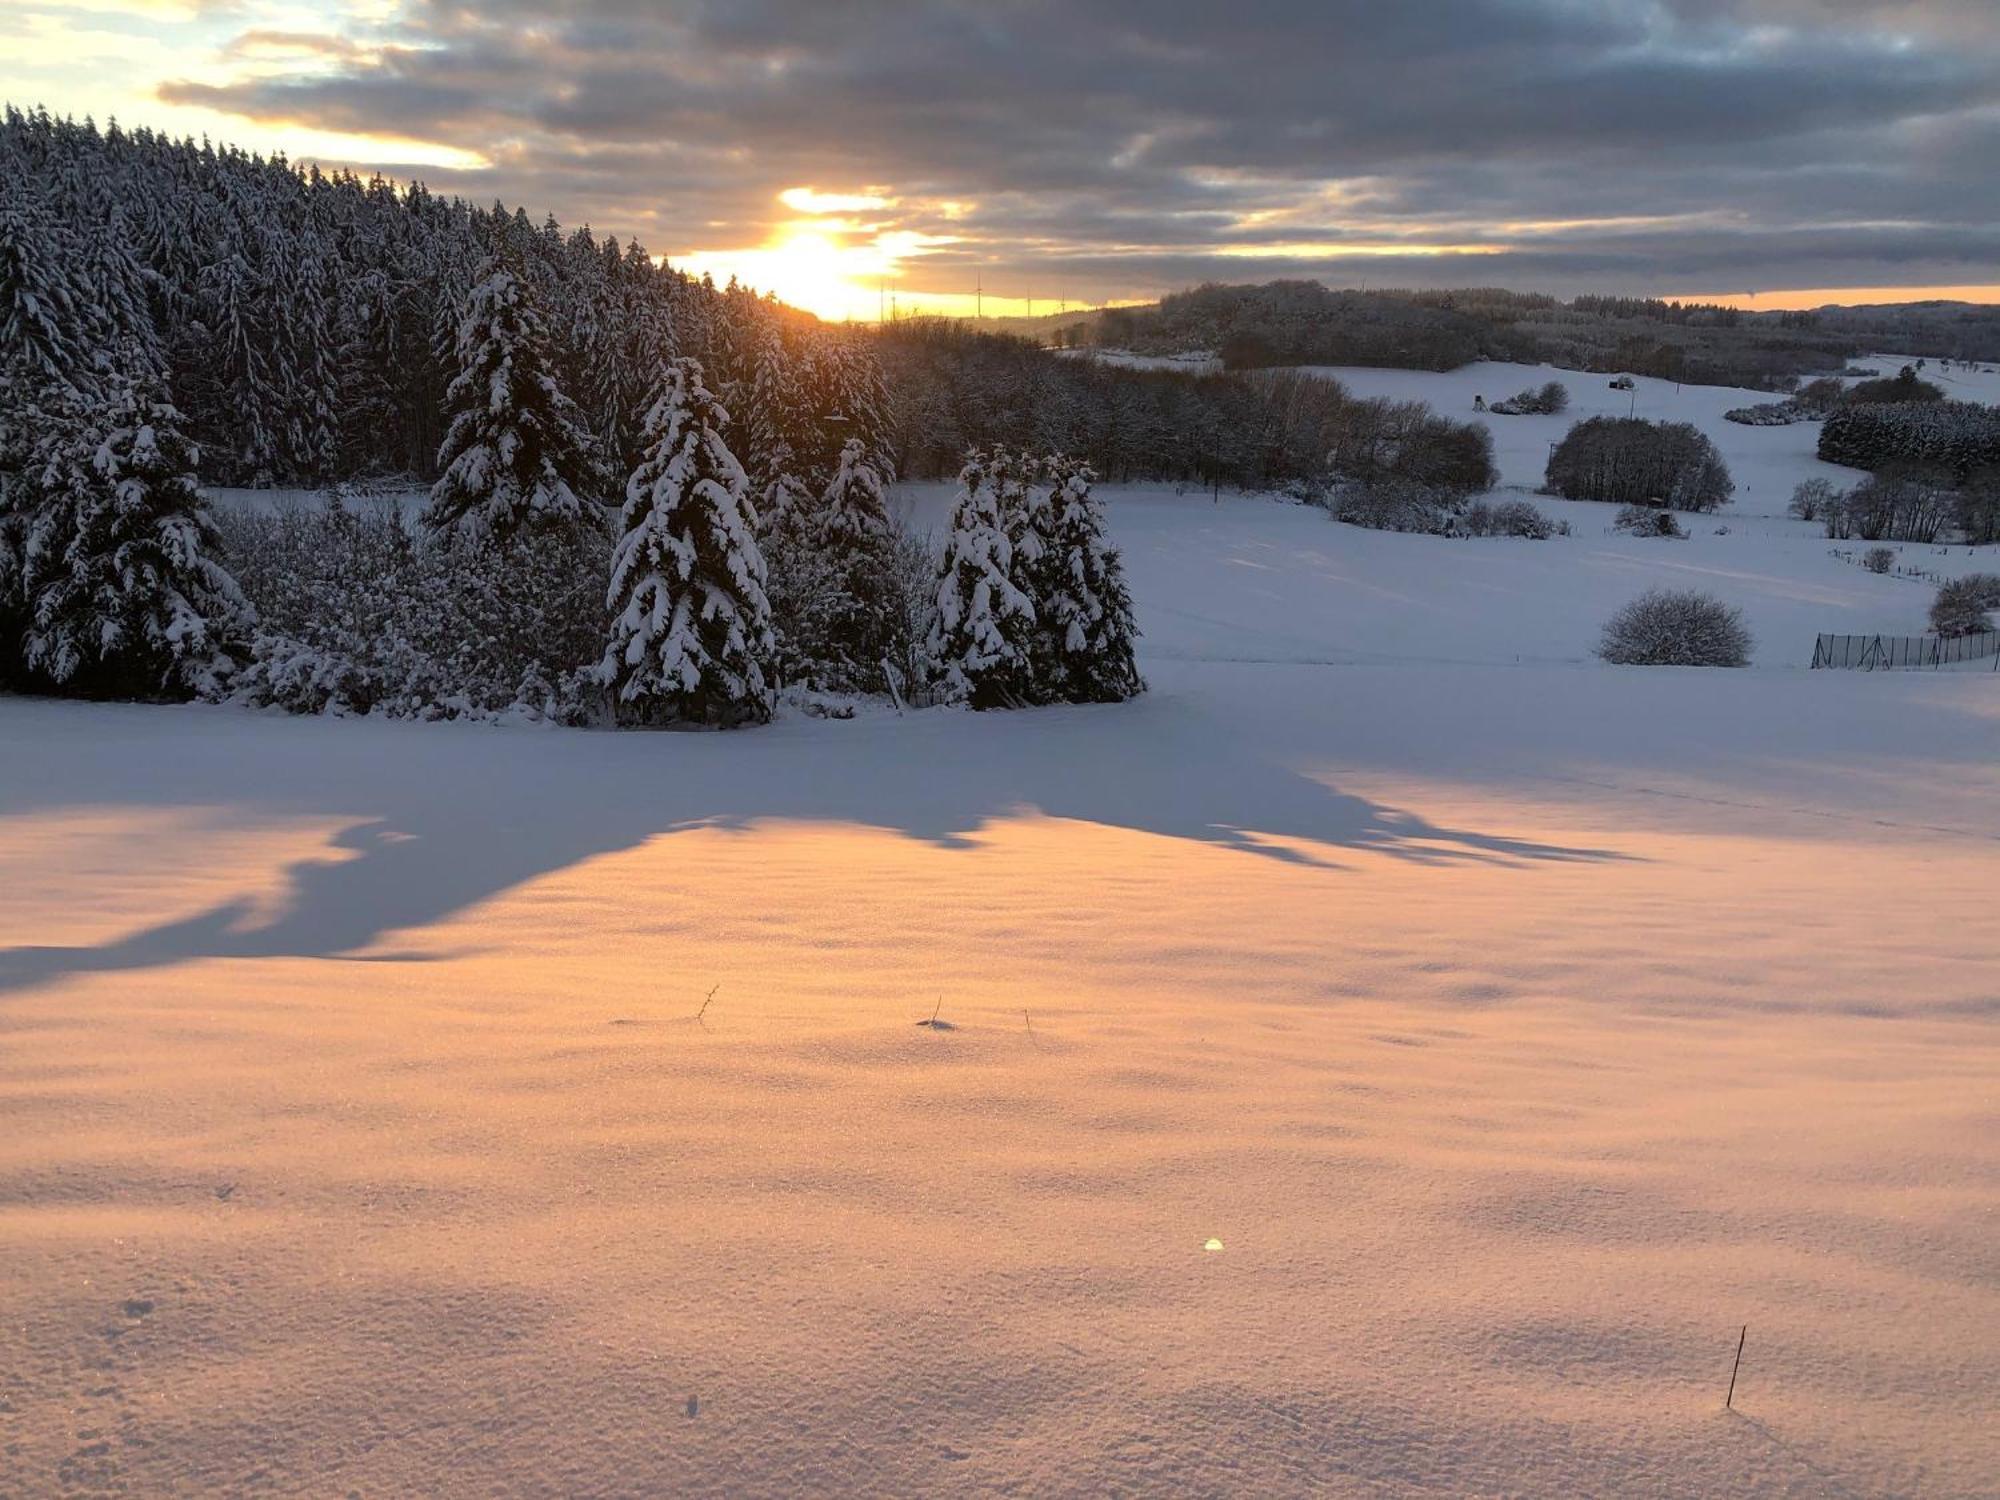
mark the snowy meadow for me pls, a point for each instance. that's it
(1396, 1054)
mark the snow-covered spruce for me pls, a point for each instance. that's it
(125, 594)
(517, 455)
(691, 627)
(984, 629)
(1083, 613)
(857, 542)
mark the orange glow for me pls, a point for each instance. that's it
(1846, 295)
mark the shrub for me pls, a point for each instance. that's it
(1667, 628)
(1393, 504)
(1769, 414)
(1965, 605)
(1878, 559)
(363, 614)
(1904, 387)
(1811, 499)
(1630, 461)
(1543, 401)
(1645, 520)
(1507, 518)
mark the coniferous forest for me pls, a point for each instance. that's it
(651, 500)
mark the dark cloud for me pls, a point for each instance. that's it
(1120, 147)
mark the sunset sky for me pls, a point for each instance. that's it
(1800, 150)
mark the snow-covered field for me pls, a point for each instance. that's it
(1395, 1056)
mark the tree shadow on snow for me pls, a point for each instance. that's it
(449, 816)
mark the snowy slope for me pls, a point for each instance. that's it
(1519, 1028)
(1766, 462)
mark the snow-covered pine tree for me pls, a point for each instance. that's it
(985, 624)
(691, 627)
(857, 542)
(43, 371)
(1084, 611)
(127, 596)
(1021, 495)
(517, 455)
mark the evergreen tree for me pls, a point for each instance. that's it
(691, 628)
(127, 597)
(1084, 609)
(517, 455)
(857, 542)
(42, 366)
(984, 630)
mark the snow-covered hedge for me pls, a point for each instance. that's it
(1770, 414)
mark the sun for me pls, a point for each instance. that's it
(831, 264)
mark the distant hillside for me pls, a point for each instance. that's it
(1305, 322)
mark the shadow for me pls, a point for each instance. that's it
(447, 816)
(1830, 1483)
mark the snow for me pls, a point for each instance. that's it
(1766, 462)
(1395, 1055)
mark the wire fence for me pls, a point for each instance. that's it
(1884, 653)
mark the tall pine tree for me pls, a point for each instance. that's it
(691, 628)
(126, 594)
(1084, 621)
(984, 629)
(517, 455)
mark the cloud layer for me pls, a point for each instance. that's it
(1092, 149)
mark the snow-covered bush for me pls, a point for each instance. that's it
(1878, 559)
(1670, 628)
(1630, 461)
(1392, 504)
(1537, 401)
(1646, 520)
(1965, 606)
(1508, 518)
(361, 613)
(1769, 414)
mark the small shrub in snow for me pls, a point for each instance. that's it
(1391, 504)
(1643, 520)
(1506, 518)
(1878, 559)
(1965, 605)
(1542, 401)
(1669, 628)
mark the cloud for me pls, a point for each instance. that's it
(1122, 147)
